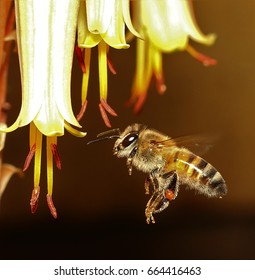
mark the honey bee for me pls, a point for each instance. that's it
(168, 163)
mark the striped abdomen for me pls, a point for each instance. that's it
(198, 173)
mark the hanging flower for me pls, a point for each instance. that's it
(45, 36)
(166, 26)
(102, 23)
(7, 17)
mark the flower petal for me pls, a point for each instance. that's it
(63, 32)
(192, 28)
(174, 17)
(49, 120)
(7, 170)
(127, 18)
(86, 39)
(46, 36)
(99, 14)
(2, 136)
(164, 15)
(115, 34)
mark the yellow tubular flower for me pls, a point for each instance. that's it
(46, 37)
(102, 23)
(166, 26)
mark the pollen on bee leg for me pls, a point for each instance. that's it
(34, 199)
(29, 157)
(51, 206)
(169, 195)
(206, 60)
(55, 154)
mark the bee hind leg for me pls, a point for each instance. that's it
(156, 204)
(167, 187)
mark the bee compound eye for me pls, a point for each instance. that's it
(129, 139)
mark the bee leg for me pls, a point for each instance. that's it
(151, 179)
(171, 182)
(130, 160)
(147, 185)
(165, 192)
(157, 203)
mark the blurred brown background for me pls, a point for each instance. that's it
(101, 207)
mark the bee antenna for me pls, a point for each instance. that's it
(103, 138)
(115, 130)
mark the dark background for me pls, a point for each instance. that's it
(100, 207)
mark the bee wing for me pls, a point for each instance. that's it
(198, 144)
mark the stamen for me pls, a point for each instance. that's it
(51, 206)
(85, 77)
(108, 108)
(104, 116)
(206, 60)
(29, 157)
(161, 87)
(102, 68)
(111, 66)
(156, 56)
(79, 55)
(56, 156)
(82, 111)
(139, 103)
(34, 199)
(104, 106)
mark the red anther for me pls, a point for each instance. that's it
(54, 150)
(104, 115)
(51, 206)
(206, 60)
(80, 58)
(82, 111)
(139, 103)
(107, 107)
(111, 66)
(29, 157)
(169, 195)
(160, 83)
(34, 199)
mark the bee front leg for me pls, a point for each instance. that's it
(130, 160)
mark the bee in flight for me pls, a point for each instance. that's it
(168, 163)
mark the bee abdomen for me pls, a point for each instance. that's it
(214, 182)
(203, 176)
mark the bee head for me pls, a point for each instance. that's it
(127, 140)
